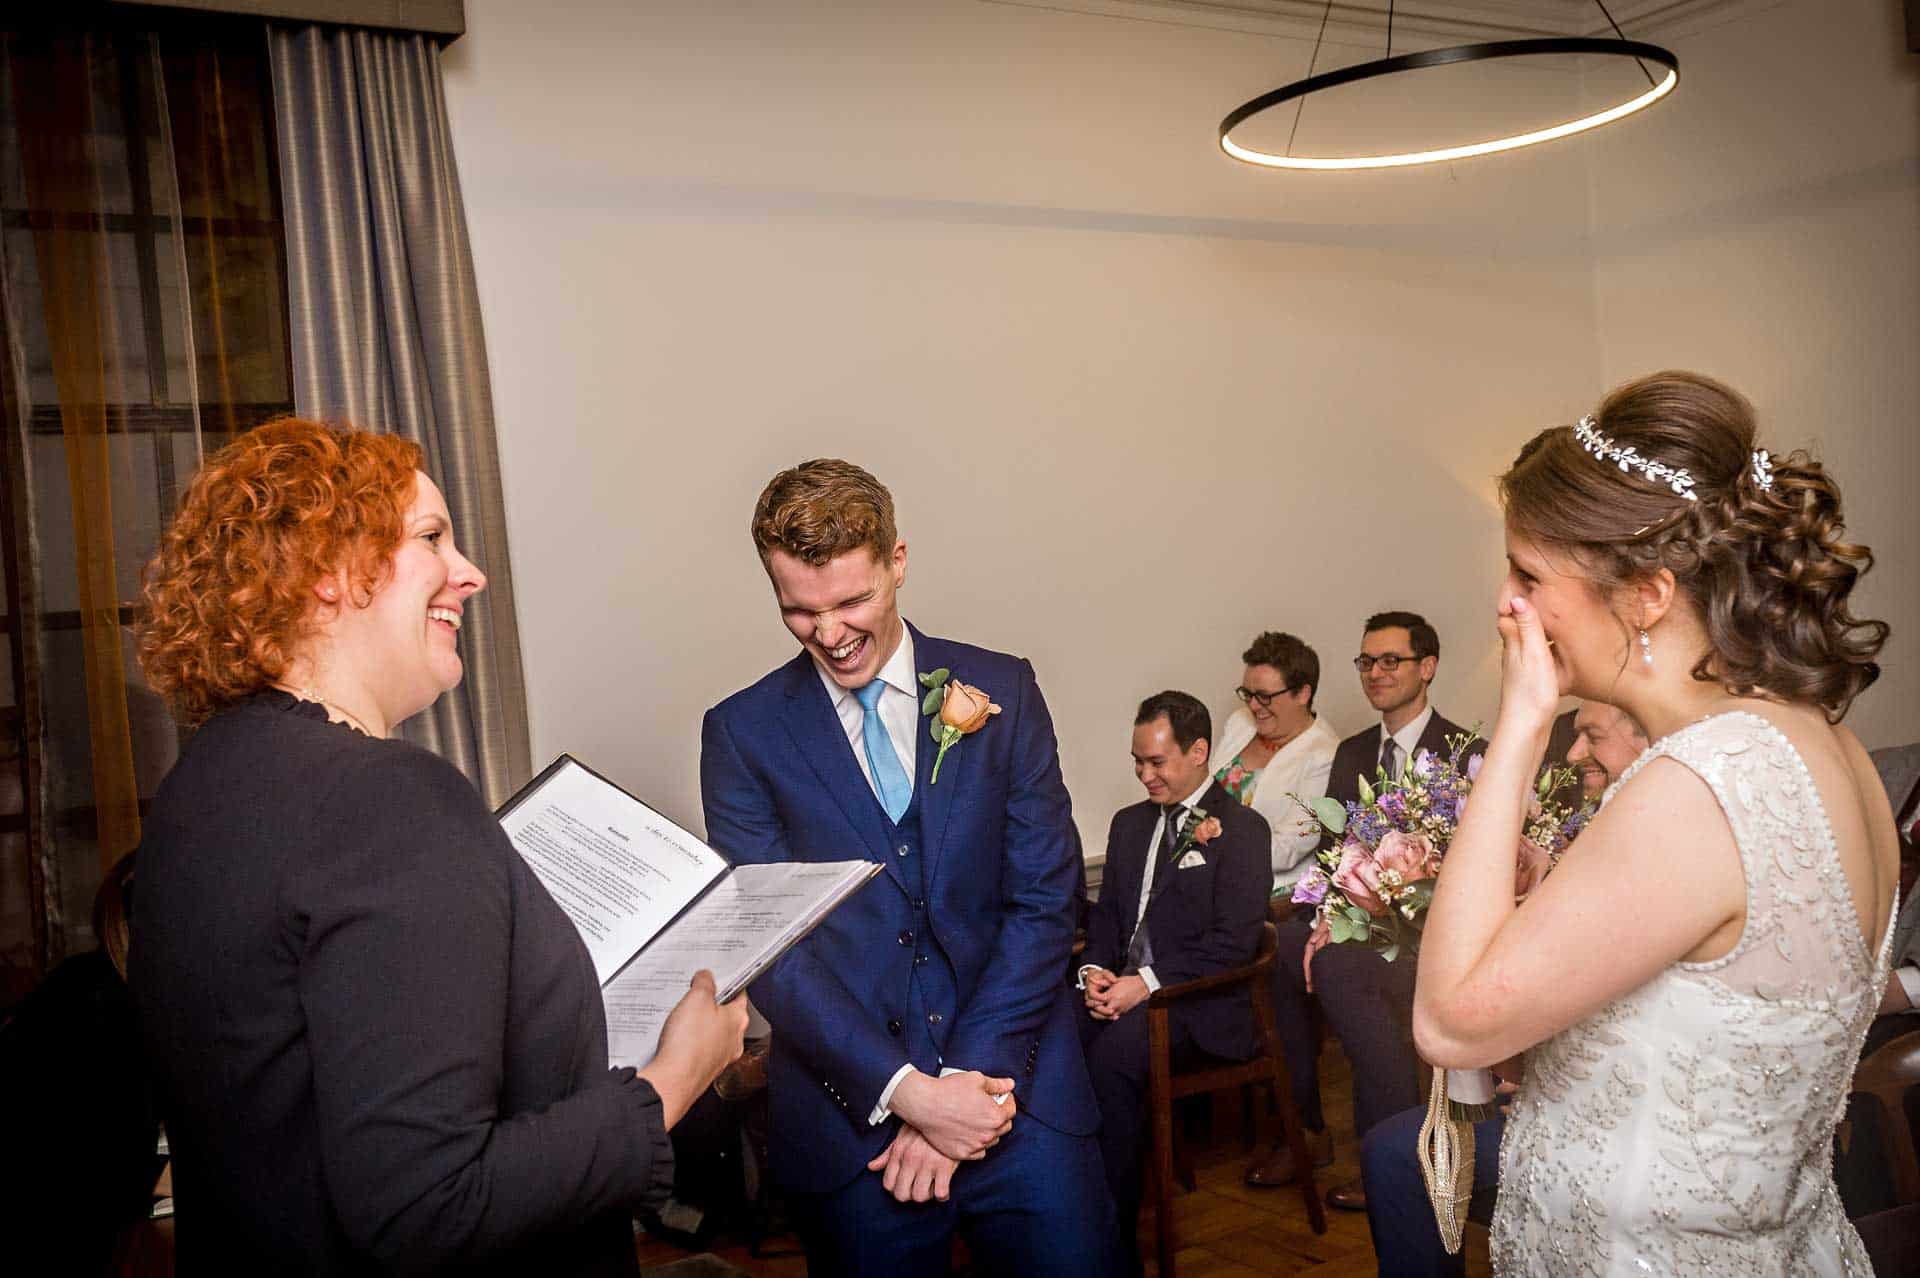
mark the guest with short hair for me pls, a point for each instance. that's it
(1183, 896)
(1275, 752)
(1368, 1001)
(1406, 1236)
(378, 1044)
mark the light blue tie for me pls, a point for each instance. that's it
(889, 778)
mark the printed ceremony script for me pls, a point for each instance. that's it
(654, 904)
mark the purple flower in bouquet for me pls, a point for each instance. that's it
(1393, 807)
(1311, 889)
(1365, 824)
(1473, 766)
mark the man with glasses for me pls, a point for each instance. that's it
(1367, 1001)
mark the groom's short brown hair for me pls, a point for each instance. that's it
(821, 509)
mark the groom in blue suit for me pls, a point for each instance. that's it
(926, 1075)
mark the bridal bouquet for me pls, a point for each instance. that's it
(1373, 887)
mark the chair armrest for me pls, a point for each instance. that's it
(1232, 976)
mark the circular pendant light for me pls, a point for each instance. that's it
(1565, 46)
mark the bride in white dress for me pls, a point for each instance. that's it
(1692, 985)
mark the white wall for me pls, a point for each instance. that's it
(1135, 401)
(1766, 230)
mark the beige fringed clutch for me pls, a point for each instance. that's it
(1446, 1163)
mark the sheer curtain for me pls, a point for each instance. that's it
(142, 301)
(387, 335)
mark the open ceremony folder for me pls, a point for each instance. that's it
(654, 904)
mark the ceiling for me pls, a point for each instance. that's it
(1469, 19)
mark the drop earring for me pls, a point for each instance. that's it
(1646, 649)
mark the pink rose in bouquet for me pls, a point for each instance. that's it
(1358, 876)
(1411, 856)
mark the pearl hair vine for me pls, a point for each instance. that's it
(1763, 470)
(1628, 458)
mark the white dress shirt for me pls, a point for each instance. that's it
(1146, 881)
(1408, 738)
(899, 708)
(1302, 767)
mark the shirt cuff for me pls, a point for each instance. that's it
(884, 1110)
(1153, 982)
(1909, 978)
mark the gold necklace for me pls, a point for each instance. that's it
(308, 694)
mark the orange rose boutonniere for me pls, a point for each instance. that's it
(962, 710)
(1207, 831)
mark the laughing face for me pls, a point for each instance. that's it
(844, 612)
(410, 626)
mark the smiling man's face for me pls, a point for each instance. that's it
(846, 612)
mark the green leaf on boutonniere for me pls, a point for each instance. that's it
(938, 731)
(935, 678)
(931, 702)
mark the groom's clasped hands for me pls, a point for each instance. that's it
(943, 1122)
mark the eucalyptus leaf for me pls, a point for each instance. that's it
(931, 702)
(1391, 953)
(936, 730)
(1338, 928)
(926, 681)
(1331, 813)
(1361, 919)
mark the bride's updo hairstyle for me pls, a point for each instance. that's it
(1765, 567)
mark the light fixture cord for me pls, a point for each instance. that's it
(1311, 63)
(1618, 32)
(1389, 28)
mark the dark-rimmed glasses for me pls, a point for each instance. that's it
(1388, 662)
(1264, 699)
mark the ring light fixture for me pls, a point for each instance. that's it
(1300, 90)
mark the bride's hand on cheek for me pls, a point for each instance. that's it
(1529, 680)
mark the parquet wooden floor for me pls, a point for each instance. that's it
(1227, 1229)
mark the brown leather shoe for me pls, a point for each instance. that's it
(1351, 1196)
(1278, 1169)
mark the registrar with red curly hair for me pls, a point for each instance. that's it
(231, 590)
(376, 1041)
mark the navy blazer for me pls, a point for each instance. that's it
(1359, 755)
(1203, 920)
(779, 782)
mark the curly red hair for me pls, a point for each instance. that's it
(231, 588)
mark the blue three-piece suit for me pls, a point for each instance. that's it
(954, 956)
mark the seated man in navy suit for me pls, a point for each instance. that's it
(1183, 896)
(926, 1074)
(1368, 1002)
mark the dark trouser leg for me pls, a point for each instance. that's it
(1293, 1018)
(1369, 1004)
(1406, 1238)
(860, 1231)
(1037, 1207)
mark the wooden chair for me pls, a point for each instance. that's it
(1886, 1075)
(1267, 1066)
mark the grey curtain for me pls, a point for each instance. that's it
(386, 330)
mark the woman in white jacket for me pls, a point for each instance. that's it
(1274, 747)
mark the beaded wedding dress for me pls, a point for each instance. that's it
(1687, 1128)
